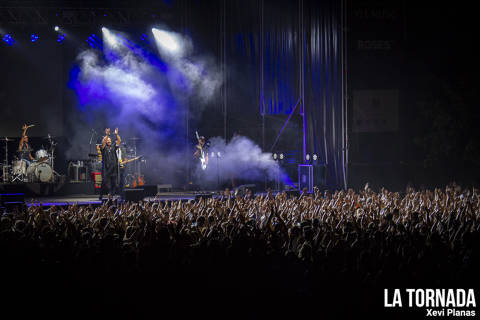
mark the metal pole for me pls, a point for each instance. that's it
(225, 70)
(344, 71)
(302, 85)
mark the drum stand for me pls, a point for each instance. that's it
(5, 164)
(52, 159)
(20, 177)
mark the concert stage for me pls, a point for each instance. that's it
(12, 195)
(85, 199)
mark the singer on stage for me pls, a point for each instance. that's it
(109, 163)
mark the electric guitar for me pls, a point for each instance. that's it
(124, 162)
(203, 160)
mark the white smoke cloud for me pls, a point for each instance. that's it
(240, 158)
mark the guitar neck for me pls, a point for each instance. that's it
(129, 160)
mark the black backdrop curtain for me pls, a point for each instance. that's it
(278, 55)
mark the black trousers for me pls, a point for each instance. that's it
(121, 182)
(109, 184)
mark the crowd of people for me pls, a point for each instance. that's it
(329, 249)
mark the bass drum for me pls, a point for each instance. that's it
(31, 172)
(43, 172)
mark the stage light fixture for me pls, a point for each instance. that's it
(8, 39)
(280, 156)
(110, 38)
(165, 40)
(307, 157)
(60, 38)
(219, 154)
(56, 28)
(315, 157)
(212, 155)
(34, 37)
(275, 156)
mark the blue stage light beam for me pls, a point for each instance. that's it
(95, 42)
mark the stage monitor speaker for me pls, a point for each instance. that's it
(164, 188)
(150, 190)
(135, 195)
(203, 196)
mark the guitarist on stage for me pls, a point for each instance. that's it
(122, 164)
(200, 152)
(122, 157)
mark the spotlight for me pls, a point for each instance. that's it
(56, 28)
(34, 37)
(307, 157)
(165, 40)
(275, 156)
(315, 157)
(213, 155)
(219, 154)
(109, 37)
(8, 39)
(280, 156)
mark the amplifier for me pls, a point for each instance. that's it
(136, 194)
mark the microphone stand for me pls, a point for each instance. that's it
(90, 164)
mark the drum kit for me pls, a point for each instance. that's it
(40, 169)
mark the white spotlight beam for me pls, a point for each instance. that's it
(166, 41)
(110, 38)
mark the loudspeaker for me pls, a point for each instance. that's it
(150, 190)
(135, 195)
(164, 188)
(203, 196)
